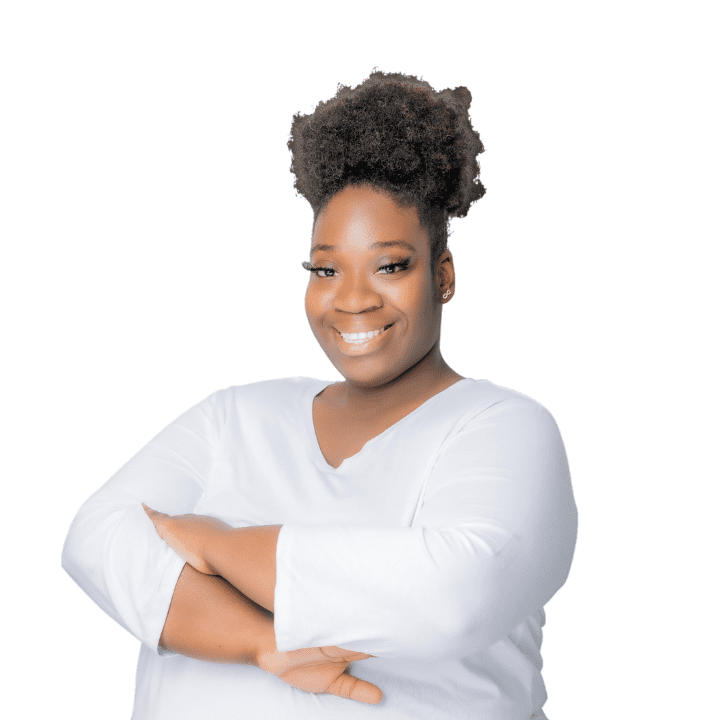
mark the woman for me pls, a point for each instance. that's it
(408, 519)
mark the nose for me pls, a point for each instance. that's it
(356, 294)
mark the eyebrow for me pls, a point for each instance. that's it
(380, 244)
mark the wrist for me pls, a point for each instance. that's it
(265, 650)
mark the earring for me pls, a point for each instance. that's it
(447, 294)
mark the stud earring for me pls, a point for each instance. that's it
(447, 294)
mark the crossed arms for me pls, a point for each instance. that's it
(495, 543)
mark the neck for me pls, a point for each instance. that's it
(428, 377)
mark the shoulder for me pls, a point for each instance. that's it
(258, 403)
(508, 432)
(485, 402)
(481, 395)
(266, 396)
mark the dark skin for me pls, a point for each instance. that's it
(360, 289)
(374, 271)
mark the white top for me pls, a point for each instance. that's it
(434, 549)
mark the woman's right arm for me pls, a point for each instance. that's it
(115, 555)
(112, 550)
(210, 620)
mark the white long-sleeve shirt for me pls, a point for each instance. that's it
(434, 549)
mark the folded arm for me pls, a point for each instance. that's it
(118, 558)
(493, 543)
(113, 552)
(210, 620)
(245, 556)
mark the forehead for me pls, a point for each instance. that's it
(359, 217)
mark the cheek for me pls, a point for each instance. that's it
(315, 304)
(308, 302)
(311, 302)
(418, 299)
(426, 315)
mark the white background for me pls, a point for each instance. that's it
(151, 250)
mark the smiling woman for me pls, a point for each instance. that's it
(407, 519)
(374, 307)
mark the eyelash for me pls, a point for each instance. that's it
(401, 265)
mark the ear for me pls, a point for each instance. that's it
(445, 277)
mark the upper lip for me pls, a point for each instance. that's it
(363, 330)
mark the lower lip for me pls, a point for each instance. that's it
(363, 348)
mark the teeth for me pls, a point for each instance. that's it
(357, 338)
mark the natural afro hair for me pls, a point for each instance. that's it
(396, 133)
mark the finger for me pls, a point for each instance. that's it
(353, 688)
(333, 651)
(156, 519)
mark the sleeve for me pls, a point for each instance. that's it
(492, 543)
(112, 550)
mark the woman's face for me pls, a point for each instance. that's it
(373, 302)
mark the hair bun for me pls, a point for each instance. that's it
(396, 132)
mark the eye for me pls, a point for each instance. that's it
(396, 267)
(322, 272)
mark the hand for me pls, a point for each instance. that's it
(320, 670)
(189, 535)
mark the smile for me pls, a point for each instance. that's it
(361, 337)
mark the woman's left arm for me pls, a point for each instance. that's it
(491, 544)
(245, 557)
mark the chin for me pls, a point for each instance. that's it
(370, 375)
(369, 382)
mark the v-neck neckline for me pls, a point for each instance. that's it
(311, 435)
